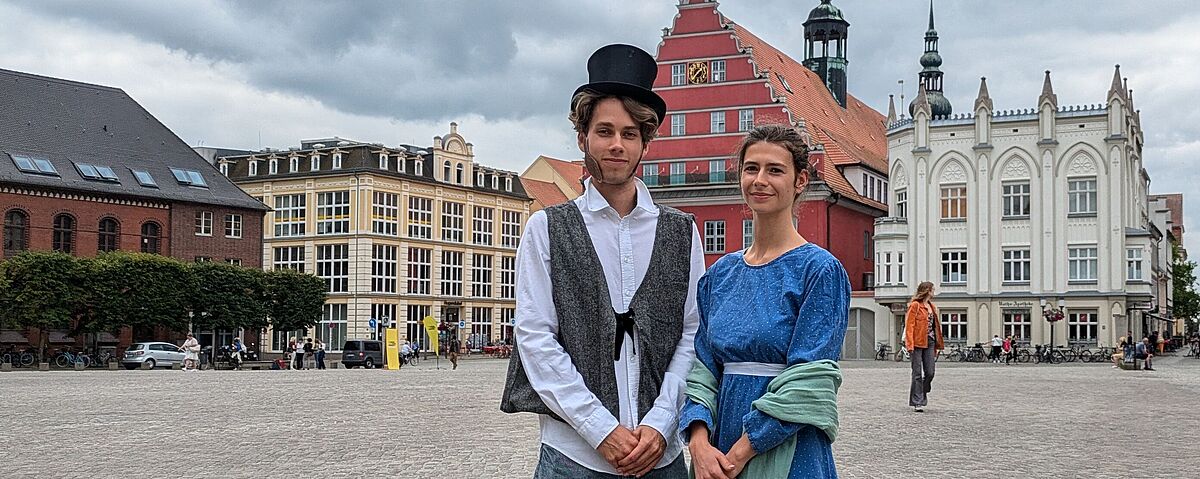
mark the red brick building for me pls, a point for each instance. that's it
(85, 169)
(719, 80)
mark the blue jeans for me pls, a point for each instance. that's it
(555, 465)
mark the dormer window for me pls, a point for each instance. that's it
(419, 168)
(479, 179)
(337, 161)
(273, 167)
(383, 161)
(400, 163)
(508, 184)
(224, 169)
(495, 182)
(316, 163)
(253, 165)
(294, 165)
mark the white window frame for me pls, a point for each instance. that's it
(233, 226)
(887, 267)
(510, 228)
(745, 120)
(714, 236)
(420, 271)
(1015, 200)
(1083, 263)
(1016, 266)
(204, 223)
(954, 327)
(288, 257)
(678, 173)
(383, 161)
(954, 266)
(1019, 325)
(333, 212)
(1081, 196)
(452, 221)
(716, 171)
(481, 275)
(954, 202)
(314, 163)
(333, 266)
(678, 124)
(1083, 327)
(650, 174)
(747, 233)
(508, 277)
(678, 74)
(1133, 264)
(332, 329)
(716, 121)
(273, 166)
(294, 164)
(385, 213)
(252, 168)
(452, 273)
(902, 203)
(290, 215)
(420, 217)
(718, 71)
(900, 267)
(482, 225)
(337, 161)
(383, 268)
(508, 184)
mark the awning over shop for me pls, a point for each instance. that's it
(60, 337)
(105, 337)
(12, 336)
(1160, 318)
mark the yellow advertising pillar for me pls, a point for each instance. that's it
(393, 348)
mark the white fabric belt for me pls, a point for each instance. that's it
(755, 369)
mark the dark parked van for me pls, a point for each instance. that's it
(367, 353)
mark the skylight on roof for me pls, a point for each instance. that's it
(88, 171)
(96, 172)
(144, 178)
(28, 164)
(189, 177)
(106, 173)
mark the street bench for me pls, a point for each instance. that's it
(1135, 365)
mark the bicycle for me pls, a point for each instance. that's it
(101, 359)
(18, 359)
(881, 351)
(976, 354)
(1049, 354)
(953, 353)
(902, 355)
(67, 359)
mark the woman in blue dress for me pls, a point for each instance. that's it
(773, 317)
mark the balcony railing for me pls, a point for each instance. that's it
(891, 226)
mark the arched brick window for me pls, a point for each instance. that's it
(64, 233)
(110, 233)
(151, 237)
(16, 232)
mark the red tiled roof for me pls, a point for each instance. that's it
(544, 192)
(571, 170)
(854, 135)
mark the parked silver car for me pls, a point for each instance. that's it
(153, 354)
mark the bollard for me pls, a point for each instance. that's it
(112, 366)
(5, 366)
(44, 367)
(79, 366)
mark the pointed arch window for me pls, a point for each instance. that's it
(64, 233)
(16, 232)
(151, 237)
(110, 233)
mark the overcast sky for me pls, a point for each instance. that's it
(266, 73)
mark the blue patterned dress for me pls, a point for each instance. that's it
(789, 311)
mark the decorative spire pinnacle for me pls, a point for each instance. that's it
(1116, 89)
(1048, 95)
(931, 17)
(891, 116)
(983, 100)
(921, 103)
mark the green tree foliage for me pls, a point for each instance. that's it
(140, 290)
(227, 297)
(1186, 302)
(295, 299)
(47, 290)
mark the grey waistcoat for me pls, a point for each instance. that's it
(587, 324)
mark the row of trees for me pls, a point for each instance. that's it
(52, 290)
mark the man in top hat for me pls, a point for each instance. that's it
(606, 295)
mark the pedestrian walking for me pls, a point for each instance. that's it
(602, 357)
(997, 346)
(923, 339)
(453, 348)
(319, 346)
(191, 353)
(762, 394)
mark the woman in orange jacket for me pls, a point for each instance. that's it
(923, 340)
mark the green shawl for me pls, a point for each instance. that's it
(803, 393)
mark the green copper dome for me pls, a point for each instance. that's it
(825, 11)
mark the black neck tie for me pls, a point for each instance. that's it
(625, 326)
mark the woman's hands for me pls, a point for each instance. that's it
(740, 454)
(707, 460)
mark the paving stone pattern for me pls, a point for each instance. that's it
(983, 421)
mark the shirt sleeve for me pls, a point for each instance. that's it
(664, 415)
(825, 309)
(535, 329)
(693, 411)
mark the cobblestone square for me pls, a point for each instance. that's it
(1073, 420)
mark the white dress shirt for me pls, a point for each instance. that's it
(624, 246)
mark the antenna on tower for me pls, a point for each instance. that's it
(901, 82)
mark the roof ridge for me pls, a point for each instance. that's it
(34, 76)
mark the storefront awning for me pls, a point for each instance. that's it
(12, 336)
(60, 337)
(105, 337)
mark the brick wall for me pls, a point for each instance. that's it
(187, 245)
(87, 214)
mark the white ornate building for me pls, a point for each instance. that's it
(1010, 213)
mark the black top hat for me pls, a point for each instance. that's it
(625, 70)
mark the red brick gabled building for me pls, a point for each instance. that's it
(719, 79)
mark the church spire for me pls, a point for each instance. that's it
(931, 75)
(825, 35)
(891, 116)
(983, 100)
(1048, 92)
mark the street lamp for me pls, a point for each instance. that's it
(1052, 315)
